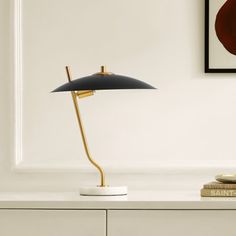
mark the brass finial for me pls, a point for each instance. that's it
(103, 71)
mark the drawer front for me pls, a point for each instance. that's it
(171, 222)
(52, 223)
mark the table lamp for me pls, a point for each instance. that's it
(84, 87)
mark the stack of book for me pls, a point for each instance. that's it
(217, 189)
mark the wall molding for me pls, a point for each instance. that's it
(188, 168)
(20, 165)
(18, 82)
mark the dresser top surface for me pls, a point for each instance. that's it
(134, 200)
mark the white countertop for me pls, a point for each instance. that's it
(134, 200)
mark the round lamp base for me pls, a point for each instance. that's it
(104, 191)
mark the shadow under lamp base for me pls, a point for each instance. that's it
(103, 191)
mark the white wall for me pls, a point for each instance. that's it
(186, 127)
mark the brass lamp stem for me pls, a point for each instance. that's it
(75, 101)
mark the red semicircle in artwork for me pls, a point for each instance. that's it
(225, 25)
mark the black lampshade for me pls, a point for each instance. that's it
(103, 82)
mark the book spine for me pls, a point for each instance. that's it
(220, 186)
(218, 193)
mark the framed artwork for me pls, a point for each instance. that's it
(220, 36)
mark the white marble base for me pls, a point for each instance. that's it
(103, 191)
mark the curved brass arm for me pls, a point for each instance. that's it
(75, 101)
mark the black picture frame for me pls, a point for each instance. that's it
(207, 27)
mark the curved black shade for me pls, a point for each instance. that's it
(103, 82)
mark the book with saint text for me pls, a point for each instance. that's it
(218, 192)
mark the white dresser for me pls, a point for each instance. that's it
(141, 213)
